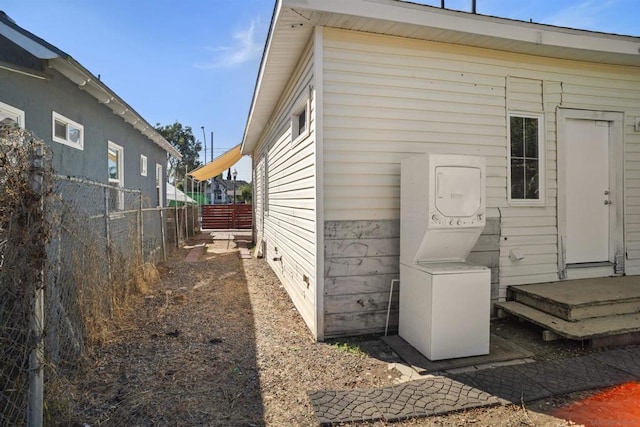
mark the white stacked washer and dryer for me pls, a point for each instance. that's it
(444, 301)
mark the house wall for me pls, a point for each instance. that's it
(284, 176)
(361, 260)
(39, 97)
(387, 98)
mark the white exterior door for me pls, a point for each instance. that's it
(588, 192)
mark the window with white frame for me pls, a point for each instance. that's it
(143, 165)
(159, 181)
(11, 116)
(116, 175)
(67, 132)
(526, 158)
(300, 121)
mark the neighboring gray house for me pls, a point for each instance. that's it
(222, 190)
(92, 132)
(347, 89)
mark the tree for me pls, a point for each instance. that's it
(245, 192)
(183, 140)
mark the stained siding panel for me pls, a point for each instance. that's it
(361, 259)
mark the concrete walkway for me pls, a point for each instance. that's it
(208, 239)
(439, 394)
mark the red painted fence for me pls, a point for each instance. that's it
(220, 217)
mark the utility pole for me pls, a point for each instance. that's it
(204, 135)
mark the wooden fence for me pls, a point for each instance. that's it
(233, 217)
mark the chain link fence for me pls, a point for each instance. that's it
(24, 189)
(73, 253)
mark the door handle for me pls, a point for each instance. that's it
(608, 202)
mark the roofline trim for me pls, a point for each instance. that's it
(89, 83)
(430, 16)
(265, 53)
(575, 41)
(74, 71)
(27, 40)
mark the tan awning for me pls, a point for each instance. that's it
(217, 165)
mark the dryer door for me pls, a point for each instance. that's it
(458, 190)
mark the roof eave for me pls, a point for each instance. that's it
(488, 31)
(74, 71)
(249, 143)
(28, 41)
(86, 81)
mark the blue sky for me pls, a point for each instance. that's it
(196, 61)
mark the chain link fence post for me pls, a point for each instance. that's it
(107, 230)
(36, 358)
(141, 227)
(25, 170)
(162, 231)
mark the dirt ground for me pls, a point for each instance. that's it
(219, 343)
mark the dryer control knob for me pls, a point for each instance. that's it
(459, 222)
(435, 217)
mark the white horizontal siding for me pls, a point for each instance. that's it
(289, 189)
(387, 98)
(384, 103)
(520, 225)
(632, 185)
(258, 196)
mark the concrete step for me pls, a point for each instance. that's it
(581, 299)
(586, 329)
